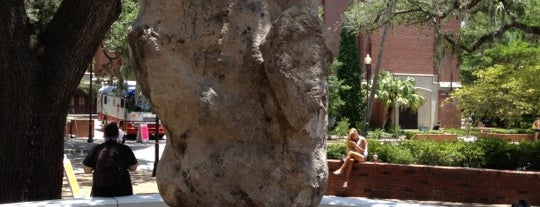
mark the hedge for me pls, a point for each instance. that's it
(490, 153)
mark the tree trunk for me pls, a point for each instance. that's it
(388, 122)
(40, 68)
(388, 26)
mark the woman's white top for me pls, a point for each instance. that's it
(120, 137)
(360, 141)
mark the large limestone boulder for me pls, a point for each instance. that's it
(241, 88)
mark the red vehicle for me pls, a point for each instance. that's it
(128, 108)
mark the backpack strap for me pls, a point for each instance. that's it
(112, 139)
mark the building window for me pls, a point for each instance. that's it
(105, 100)
(72, 101)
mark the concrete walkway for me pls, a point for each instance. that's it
(334, 201)
(145, 153)
(155, 200)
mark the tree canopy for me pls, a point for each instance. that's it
(490, 18)
(116, 44)
(506, 87)
(486, 25)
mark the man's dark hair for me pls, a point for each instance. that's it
(111, 131)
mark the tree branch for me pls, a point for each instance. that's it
(109, 57)
(73, 36)
(16, 32)
(527, 28)
(489, 37)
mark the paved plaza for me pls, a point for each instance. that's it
(143, 182)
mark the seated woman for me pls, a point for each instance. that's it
(357, 150)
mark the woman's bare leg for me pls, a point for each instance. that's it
(352, 157)
(348, 173)
(345, 164)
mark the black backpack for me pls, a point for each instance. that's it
(109, 168)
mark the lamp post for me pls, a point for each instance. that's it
(367, 62)
(156, 147)
(90, 134)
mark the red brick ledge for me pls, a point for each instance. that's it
(509, 137)
(432, 183)
(436, 137)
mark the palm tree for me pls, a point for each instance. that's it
(393, 90)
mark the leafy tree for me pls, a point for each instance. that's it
(393, 90)
(485, 23)
(116, 45)
(342, 128)
(482, 23)
(360, 20)
(335, 86)
(508, 86)
(41, 62)
(349, 72)
(503, 15)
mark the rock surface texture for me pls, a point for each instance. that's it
(241, 88)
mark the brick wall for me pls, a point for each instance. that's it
(78, 127)
(450, 184)
(406, 50)
(509, 137)
(448, 114)
(333, 11)
(436, 137)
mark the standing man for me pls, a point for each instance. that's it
(536, 127)
(110, 162)
(121, 133)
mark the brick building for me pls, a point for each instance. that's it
(80, 102)
(409, 51)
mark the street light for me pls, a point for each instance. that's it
(156, 147)
(90, 134)
(367, 62)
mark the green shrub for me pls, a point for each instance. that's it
(436, 153)
(409, 134)
(491, 153)
(511, 131)
(496, 151)
(424, 151)
(450, 154)
(395, 154)
(374, 146)
(389, 152)
(525, 152)
(342, 128)
(377, 134)
(396, 131)
(459, 132)
(336, 150)
(473, 155)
